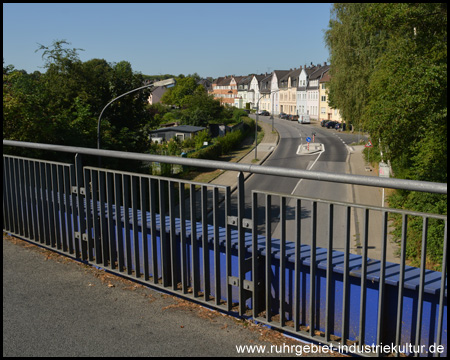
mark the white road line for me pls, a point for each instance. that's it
(309, 168)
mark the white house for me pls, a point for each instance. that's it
(312, 91)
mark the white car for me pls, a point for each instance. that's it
(304, 119)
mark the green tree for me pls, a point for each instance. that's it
(389, 74)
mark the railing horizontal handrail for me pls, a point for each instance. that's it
(354, 205)
(413, 185)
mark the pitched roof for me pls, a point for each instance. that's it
(181, 128)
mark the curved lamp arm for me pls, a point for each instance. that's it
(100, 117)
(155, 84)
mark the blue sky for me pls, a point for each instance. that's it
(209, 39)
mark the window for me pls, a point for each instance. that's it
(323, 98)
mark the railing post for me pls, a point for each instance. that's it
(241, 239)
(80, 213)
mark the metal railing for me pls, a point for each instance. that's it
(194, 240)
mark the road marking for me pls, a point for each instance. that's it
(309, 168)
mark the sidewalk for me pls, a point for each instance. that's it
(263, 151)
(366, 195)
(54, 306)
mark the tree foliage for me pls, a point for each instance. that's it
(62, 105)
(389, 75)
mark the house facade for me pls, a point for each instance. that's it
(288, 92)
(156, 95)
(264, 99)
(243, 87)
(277, 75)
(225, 90)
(253, 92)
(312, 91)
(296, 91)
(303, 83)
(326, 112)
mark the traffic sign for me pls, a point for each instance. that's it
(308, 139)
(369, 144)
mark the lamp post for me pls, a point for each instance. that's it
(273, 92)
(256, 125)
(155, 84)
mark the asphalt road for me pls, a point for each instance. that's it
(332, 159)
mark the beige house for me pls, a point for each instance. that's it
(288, 92)
(326, 112)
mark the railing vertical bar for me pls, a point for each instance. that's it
(54, 200)
(312, 270)
(173, 237)
(228, 248)
(69, 208)
(34, 215)
(17, 190)
(401, 282)
(21, 194)
(183, 241)
(119, 231)
(268, 265)
(165, 252)
(297, 265)
(95, 217)
(42, 202)
(328, 294)
(442, 291)
(256, 276)
(126, 222)
(13, 202)
(205, 244)
(12, 194)
(154, 245)
(134, 215)
(283, 261)
(62, 208)
(89, 213)
(26, 198)
(18, 180)
(103, 220)
(49, 203)
(217, 287)
(74, 208)
(80, 205)
(112, 230)
(362, 312)
(194, 245)
(382, 278)
(6, 195)
(345, 285)
(423, 259)
(144, 227)
(241, 241)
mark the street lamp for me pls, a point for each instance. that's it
(273, 92)
(256, 125)
(165, 83)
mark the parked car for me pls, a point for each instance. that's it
(293, 117)
(323, 122)
(283, 115)
(304, 119)
(330, 124)
(264, 113)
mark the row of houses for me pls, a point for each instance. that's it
(299, 91)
